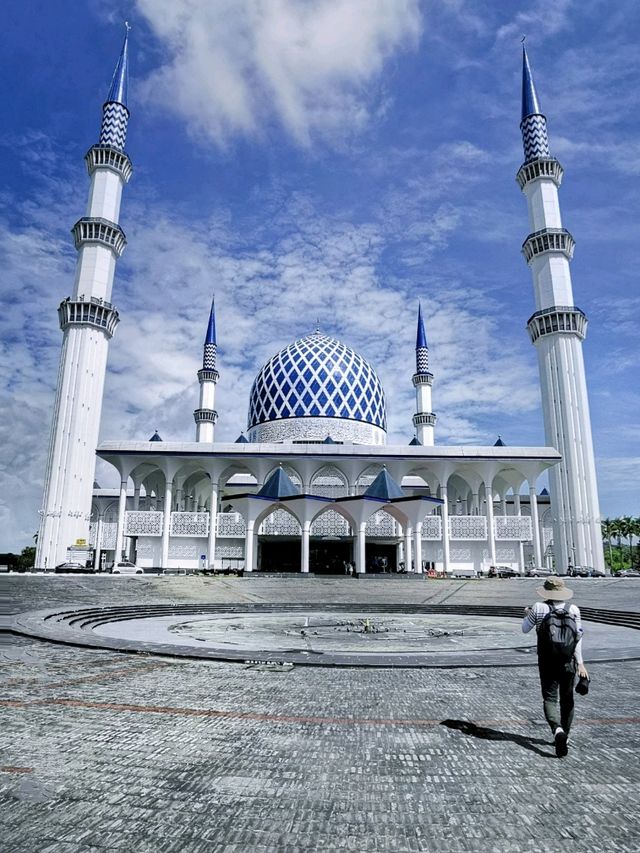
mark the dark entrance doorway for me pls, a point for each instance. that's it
(328, 556)
(279, 555)
(381, 557)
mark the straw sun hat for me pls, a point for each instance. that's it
(554, 589)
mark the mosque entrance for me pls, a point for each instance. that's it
(328, 556)
(279, 554)
(381, 557)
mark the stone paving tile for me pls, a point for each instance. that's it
(108, 752)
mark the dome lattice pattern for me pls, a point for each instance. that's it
(317, 376)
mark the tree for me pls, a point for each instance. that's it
(608, 529)
(27, 557)
(627, 531)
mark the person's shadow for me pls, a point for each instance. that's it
(484, 733)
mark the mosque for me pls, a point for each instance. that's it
(311, 484)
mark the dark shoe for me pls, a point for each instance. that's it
(561, 744)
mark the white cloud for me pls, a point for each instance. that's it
(309, 64)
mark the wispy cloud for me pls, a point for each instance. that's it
(236, 67)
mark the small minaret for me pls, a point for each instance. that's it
(88, 321)
(557, 329)
(424, 420)
(205, 415)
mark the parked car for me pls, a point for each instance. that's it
(72, 566)
(628, 573)
(126, 567)
(597, 573)
(539, 572)
(503, 572)
(579, 571)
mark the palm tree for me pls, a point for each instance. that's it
(608, 530)
(627, 531)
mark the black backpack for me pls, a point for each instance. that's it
(557, 637)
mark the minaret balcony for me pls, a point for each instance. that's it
(205, 416)
(424, 419)
(544, 167)
(106, 157)
(422, 379)
(208, 375)
(88, 312)
(92, 229)
(548, 240)
(560, 319)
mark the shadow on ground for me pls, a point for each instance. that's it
(469, 728)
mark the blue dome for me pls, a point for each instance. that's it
(317, 377)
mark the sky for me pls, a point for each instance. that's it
(319, 161)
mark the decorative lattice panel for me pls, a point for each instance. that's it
(506, 555)
(144, 548)
(189, 524)
(330, 523)
(229, 552)
(231, 524)
(329, 483)
(137, 523)
(280, 523)
(467, 527)
(460, 555)
(381, 524)
(547, 537)
(108, 533)
(432, 527)
(184, 550)
(92, 534)
(512, 527)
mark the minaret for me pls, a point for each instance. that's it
(424, 420)
(557, 329)
(205, 415)
(88, 321)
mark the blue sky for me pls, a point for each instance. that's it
(330, 160)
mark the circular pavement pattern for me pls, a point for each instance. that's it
(323, 634)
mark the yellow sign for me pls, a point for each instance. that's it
(81, 543)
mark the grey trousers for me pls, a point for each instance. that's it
(557, 695)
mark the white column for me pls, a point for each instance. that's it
(518, 512)
(445, 532)
(306, 532)
(122, 506)
(136, 493)
(491, 536)
(166, 522)
(213, 522)
(418, 547)
(535, 525)
(248, 547)
(98, 549)
(408, 533)
(361, 558)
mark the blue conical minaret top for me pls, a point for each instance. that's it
(533, 124)
(422, 348)
(119, 83)
(115, 113)
(211, 328)
(421, 338)
(530, 104)
(210, 349)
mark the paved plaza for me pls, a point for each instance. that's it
(109, 751)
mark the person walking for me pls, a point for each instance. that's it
(559, 629)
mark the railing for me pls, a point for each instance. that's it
(471, 527)
(513, 528)
(189, 524)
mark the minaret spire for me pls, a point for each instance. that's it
(88, 320)
(557, 329)
(533, 124)
(424, 420)
(115, 114)
(205, 415)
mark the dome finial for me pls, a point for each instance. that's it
(211, 328)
